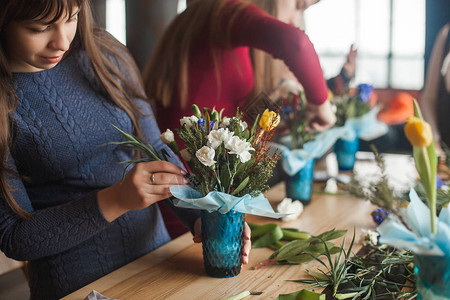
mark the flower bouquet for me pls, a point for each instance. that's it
(229, 166)
(293, 112)
(350, 106)
(417, 226)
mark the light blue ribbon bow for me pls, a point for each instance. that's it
(365, 127)
(187, 197)
(421, 241)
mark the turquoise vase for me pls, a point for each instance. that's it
(346, 153)
(432, 277)
(299, 186)
(223, 239)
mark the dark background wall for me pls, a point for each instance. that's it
(437, 15)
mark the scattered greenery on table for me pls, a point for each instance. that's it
(291, 245)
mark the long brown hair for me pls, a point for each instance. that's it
(98, 45)
(167, 70)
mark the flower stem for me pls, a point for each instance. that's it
(431, 191)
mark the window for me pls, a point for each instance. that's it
(389, 35)
(115, 19)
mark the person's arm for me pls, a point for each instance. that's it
(48, 231)
(428, 99)
(255, 28)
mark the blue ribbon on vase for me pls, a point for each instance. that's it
(421, 241)
(187, 197)
(366, 127)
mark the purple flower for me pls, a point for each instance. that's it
(379, 215)
(365, 91)
(439, 182)
(202, 122)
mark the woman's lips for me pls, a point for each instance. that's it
(52, 60)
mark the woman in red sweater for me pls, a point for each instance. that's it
(203, 58)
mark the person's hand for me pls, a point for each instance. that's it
(146, 183)
(349, 67)
(247, 242)
(320, 117)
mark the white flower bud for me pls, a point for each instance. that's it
(167, 137)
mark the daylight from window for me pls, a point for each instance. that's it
(115, 19)
(390, 53)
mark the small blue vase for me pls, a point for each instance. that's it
(432, 277)
(223, 239)
(346, 153)
(299, 186)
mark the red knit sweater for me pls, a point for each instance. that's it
(252, 28)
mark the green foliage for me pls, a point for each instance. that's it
(300, 247)
(350, 105)
(294, 114)
(380, 273)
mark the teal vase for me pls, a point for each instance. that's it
(432, 277)
(299, 186)
(223, 240)
(346, 153)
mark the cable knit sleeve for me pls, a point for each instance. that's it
(255, 28)
(48, 231)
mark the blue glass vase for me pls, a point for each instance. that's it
(346, 153)
(299, 186)
(223, 239)
(432, 277)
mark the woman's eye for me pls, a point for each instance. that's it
(39, 30)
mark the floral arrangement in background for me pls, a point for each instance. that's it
(293, 112)
(355, 103)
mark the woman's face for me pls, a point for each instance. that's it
(33, 46)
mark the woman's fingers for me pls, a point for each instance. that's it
(161, 167)
(247, 244)
(166, 179)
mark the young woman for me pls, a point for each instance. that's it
(203, 58)
(63, 206)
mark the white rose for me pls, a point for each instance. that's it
(240, 148)
(216, 137)
(167, 137)
(189, 121)
(287, 206)
(206, 155)
(289, 86)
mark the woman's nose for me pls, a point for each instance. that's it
(60, 40)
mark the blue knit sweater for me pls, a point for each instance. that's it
(62, 120)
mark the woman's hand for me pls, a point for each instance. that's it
(146, 183)
(321, 117)
(247, 242)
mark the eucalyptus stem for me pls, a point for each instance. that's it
(431, 191)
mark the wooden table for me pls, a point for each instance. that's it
(175, 271)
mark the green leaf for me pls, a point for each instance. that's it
(290, 235)
(332, 234)
(268, 238)
(241, 186)
(301, 295)
(291, 249)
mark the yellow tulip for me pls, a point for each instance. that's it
(269, 120)
(418, 132)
